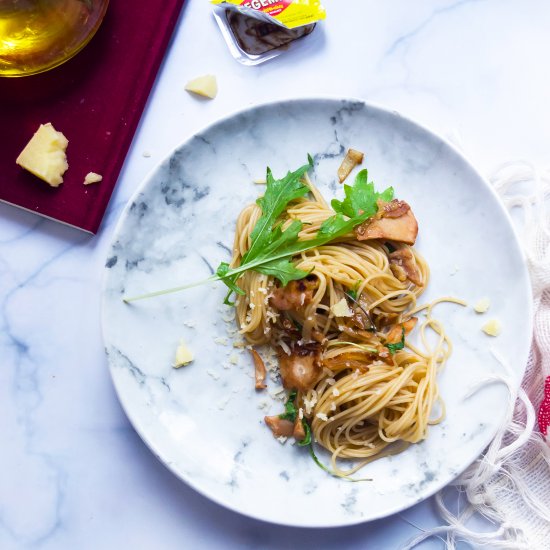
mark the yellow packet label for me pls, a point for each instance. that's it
(288, 13)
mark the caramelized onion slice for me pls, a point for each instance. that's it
(396, 332)
(279, 426)
(295, 295)
(394, 222)
(301, 368)
(259, 370)
(403, 266)
(351, 160)
(298, 432)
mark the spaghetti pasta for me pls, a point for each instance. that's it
(363, 390)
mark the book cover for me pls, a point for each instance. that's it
(96, 99)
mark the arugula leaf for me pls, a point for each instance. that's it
(352, 293)
(328, 470)
(359, 204)
(335, 226)
(399, 345)
(272, 249)
(290, 407)
(361, 198)
(317, 461)
(284, 270)
(280, 238)
(307, 439)
(267, 237)
(221, 272)
(277, 195)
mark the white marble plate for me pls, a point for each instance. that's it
(204, 421)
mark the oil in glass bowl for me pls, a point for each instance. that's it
(37, 35)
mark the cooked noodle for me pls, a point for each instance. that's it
(362, 402)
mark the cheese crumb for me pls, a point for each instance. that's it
(482, 305)
(44, 155)
(272, 316)
(335, 392)
(184, 356)
(222, 403)
(229, 317)
(146, 154)
(322, 416)
(278, 393)
(205, 86)
(341, 309)
(92, 177)
(282, 439)
(233, 359)
(213, 374)
(309, 404)
(492, 327)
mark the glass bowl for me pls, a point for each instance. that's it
(38, 35)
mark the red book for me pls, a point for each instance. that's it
(96, 100)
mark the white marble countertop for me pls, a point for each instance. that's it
(73, 473)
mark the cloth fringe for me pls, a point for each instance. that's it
(509, 484)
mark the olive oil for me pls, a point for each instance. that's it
(37, 35)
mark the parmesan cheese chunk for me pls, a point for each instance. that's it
(341, 309)
(205, 86)
(482, 305)
(492, 327)
(92, 177)
(184, 356)
(44, 155)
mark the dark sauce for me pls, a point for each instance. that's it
(256, 37)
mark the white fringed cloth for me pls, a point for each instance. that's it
(510, 482)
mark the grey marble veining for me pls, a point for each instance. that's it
(204, 421)
(73, 472)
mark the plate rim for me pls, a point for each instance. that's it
(431, 489)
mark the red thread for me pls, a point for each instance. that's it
(544, 411)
